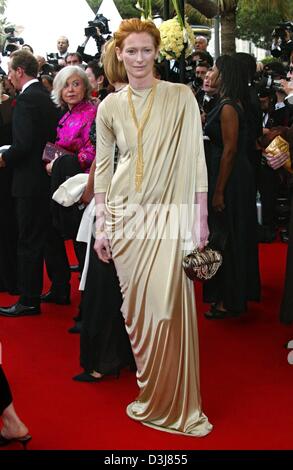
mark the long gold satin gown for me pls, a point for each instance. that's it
(159, 305)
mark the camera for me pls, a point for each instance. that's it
(189, 74)
(197, 83)
(9, 30)
(268, 84)
(99, 22)
(11, 41)
(52, 58)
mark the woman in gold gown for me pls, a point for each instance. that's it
(161, 174)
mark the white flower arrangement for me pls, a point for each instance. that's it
(175, 37)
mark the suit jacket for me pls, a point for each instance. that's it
(35, 120)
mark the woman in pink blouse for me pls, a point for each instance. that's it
(72, 92)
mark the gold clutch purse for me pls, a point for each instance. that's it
(278, 145)
(202, 265)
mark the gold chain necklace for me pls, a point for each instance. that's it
(140, 128)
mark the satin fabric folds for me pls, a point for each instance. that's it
(158, 299)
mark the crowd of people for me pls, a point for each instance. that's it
(138, 145)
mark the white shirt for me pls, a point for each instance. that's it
(27, 84)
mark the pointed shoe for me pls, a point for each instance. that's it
(23, 440)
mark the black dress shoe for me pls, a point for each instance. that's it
(19, 310)
(51, 298)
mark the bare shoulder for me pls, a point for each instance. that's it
(229, 111)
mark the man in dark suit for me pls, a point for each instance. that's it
(34, 123)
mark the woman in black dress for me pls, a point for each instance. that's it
(8, 234)
(232, 205)
(104, 343)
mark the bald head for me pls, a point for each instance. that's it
(201, 43)
(62, 44)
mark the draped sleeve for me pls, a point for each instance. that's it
(104, 147)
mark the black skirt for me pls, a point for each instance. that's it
(104, 343)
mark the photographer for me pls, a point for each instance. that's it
(58, 59)
(200, 70)
(282, 45)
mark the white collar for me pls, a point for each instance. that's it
(27, 84)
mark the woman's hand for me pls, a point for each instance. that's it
(86, 197)
(276, 162)
(218, 201)
(200, 233)
(102, 248)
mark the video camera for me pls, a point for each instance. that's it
(98, 29)
(268, 83)
(11, 41)
(99, 22)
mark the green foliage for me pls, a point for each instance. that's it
(269, 59)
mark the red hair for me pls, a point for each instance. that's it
(135, 25)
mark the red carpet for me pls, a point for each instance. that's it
(246, 381)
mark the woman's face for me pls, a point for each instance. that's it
(138, 55)
(214, 77)
(207, 83)
(92, 78)
(73, 91)
(95, 83)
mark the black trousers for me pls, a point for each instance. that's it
(64, 226)
(5, 392)
(32, 218)
(57, 261)
(104, 343)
